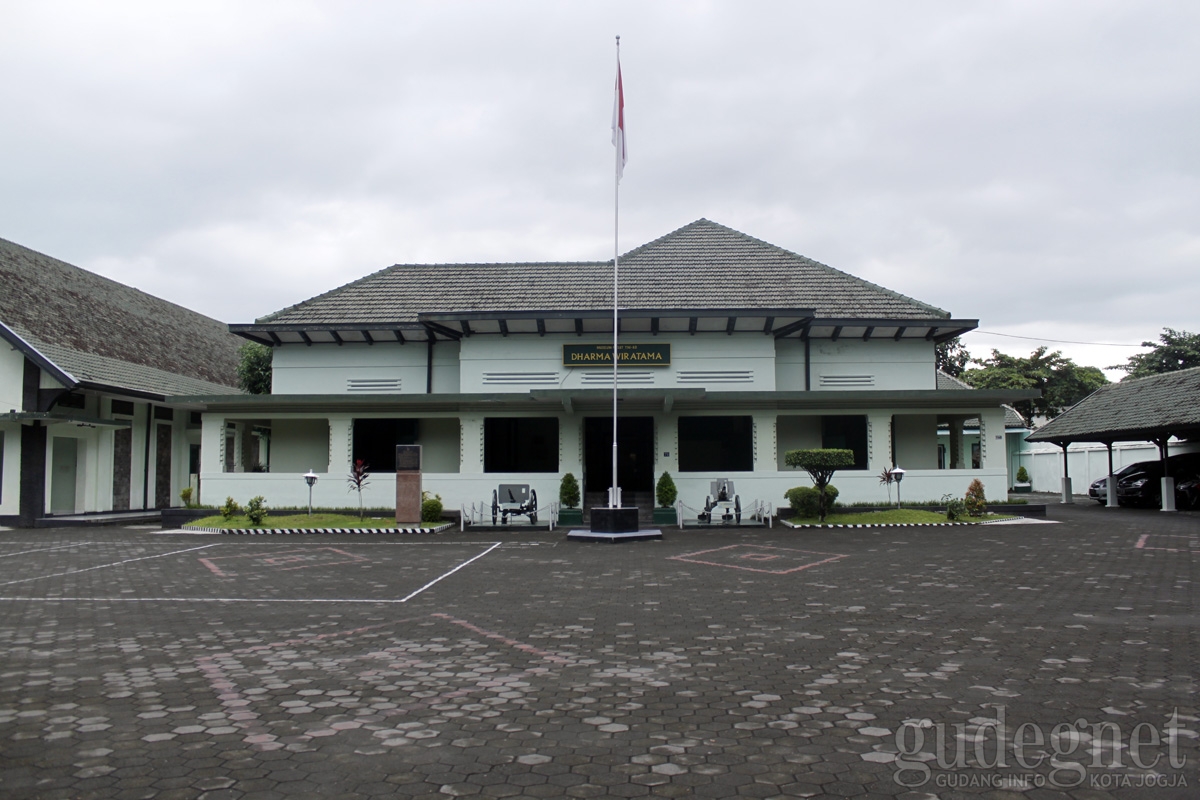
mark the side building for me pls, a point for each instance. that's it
(732, 352)
(86, 367)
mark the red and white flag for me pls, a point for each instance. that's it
(618, 124)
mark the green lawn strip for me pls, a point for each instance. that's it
(297, 521)
(893, 517)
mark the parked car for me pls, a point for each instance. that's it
(1143, 487)
(1098, 491)
(1187, 492)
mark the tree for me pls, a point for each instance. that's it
(1178, 350)
(665, 491)
(820, 465)
(568, 491)
(951, 357)
(1062, 382)
(254, 370)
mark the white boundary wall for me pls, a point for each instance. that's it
(1087, 462)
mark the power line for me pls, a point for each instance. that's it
(1054, 341)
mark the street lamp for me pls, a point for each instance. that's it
(897, 475)
(310, 478)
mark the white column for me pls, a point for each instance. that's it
(341, 444)
(472, 445)
(879, 442)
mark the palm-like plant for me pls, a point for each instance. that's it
(886, 478)
(358, 481)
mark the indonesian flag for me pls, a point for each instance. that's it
(618, 124)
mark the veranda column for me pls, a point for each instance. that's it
(879, 442)
(472, 445)
(1068, 496)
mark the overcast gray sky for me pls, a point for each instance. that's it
(1030, 164)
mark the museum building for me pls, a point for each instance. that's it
(732, 351)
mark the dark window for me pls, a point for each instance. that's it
(520, 444)
(122, 407)
(716, 444)
(162, 412)
(846, 433)
(195, 419)
(375, 441)
(71, 401)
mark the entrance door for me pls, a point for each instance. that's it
(63, 464)
(635, 454)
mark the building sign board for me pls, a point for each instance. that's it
(633, 355)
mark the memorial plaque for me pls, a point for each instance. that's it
(408, 458)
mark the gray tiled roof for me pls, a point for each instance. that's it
(103, 328)
(701, 265)
(105, 371)
(947, 382)
(1131, 410)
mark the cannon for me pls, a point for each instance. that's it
(513, 500)
(727, 506)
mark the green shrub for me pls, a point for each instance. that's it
(256, 510)
(975, 500)
(956, 509)
(186, 496)
(805, 500)
(820, 466)
(665, 492)
(568, 491)
(231, 509)
(431, 508)
(1022, 475)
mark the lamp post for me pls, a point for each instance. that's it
(897, 475)
(310, 478)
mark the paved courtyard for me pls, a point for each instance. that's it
(1029, 660)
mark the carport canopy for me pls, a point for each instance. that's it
(1141, 409)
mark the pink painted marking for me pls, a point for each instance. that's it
(1193, 542)
(782, 553)
(758, 557)
(517, 645)
(308, 557)
(215, 569)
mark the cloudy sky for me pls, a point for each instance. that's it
(1035, 165)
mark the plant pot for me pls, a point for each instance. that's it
(570, 516)
(665, 516)
(1022, 488)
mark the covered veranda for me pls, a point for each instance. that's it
(1157, 409)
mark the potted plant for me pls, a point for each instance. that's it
(666, 494)
(1022, 485)
(568, 496)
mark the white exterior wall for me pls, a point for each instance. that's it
(851, 363)
(12, 369)
(360, 368)
(10, 458)
(518, 363)
(916, 441)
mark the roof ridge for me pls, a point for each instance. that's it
(702, 222)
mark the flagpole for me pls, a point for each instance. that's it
(620, 145)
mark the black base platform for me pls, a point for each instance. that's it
(612, 525)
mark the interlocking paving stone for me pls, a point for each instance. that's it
(130, 667)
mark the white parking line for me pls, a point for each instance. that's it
(42, 550)
(105, 566)
(451, 572)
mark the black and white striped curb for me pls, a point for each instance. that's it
(887, 524)
(282, 531)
